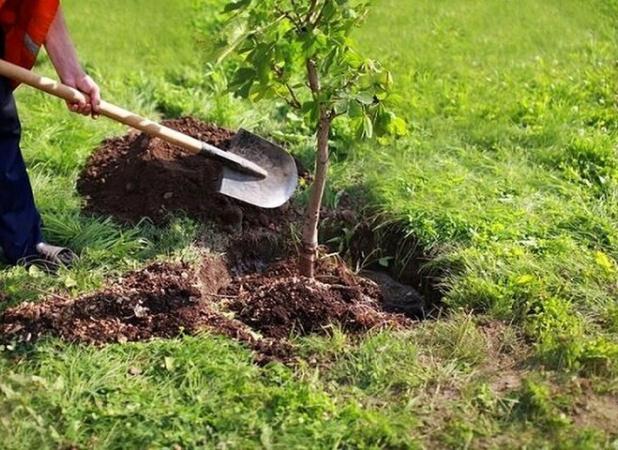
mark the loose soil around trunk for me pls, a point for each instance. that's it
(134, 177)
(166, 300)
(280, 301)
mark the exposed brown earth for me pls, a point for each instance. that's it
(166, 300)
(280, 301)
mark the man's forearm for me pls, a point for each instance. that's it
(63, 56)
(62, 52)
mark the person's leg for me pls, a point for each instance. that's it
(20, 223)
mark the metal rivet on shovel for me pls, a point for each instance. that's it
(254, 171)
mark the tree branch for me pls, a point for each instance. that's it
(334, 114)
(311, 12)
(297, 10)
(318, 17)
(294, 101)
(288, 15)
(313, 77)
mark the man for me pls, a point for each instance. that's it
(25, 25)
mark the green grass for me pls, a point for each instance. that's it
(150, 37)
(196, 392)
(509, 172)
(507, 177)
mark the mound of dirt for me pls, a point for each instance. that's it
(280, 301)
(166, 300)
(136, 176)
(161, 300)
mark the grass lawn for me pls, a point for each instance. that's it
(507, 182)
(509, 172)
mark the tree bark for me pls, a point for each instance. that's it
(309, 247)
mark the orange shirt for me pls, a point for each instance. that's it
(25, 24)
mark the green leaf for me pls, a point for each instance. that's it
(604, 262)
(524, 279)
(384, 262)
(367, 127)
(245, 90)
(242, 82)
(234, 6)
(243, 75)
(69, 282)
(276, 42)
(366, 98)
(328, 11)
(35, 272)
(169, 363)
(310, 110)
(398, 127)
(354, 109)
(329, 60)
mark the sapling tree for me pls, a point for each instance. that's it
(300, 51)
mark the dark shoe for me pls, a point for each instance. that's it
(49, 258)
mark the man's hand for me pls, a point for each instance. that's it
(87, 86)
(64, 58)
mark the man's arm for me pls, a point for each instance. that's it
(64, 58)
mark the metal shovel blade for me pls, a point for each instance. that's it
(271, 191)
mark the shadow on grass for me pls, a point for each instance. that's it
(374, 242)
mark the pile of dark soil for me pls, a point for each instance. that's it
(160, 300)
(279, 301)
(166, 300)
(136, 176)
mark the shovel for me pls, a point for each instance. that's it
(255, 170)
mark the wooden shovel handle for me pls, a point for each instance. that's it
(131, 119)
(114, 112)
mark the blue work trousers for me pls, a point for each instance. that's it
(20, 223)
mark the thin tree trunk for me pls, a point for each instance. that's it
(312, 215)
(309, 249)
